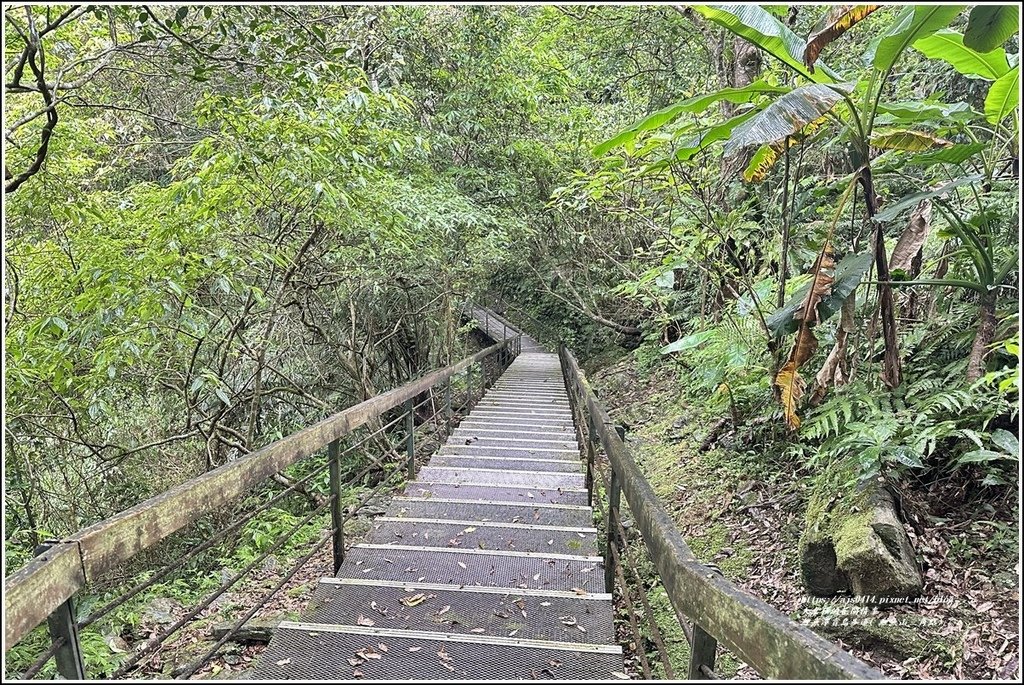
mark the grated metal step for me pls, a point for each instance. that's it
(307, 651)
(522, 570)
(472, 611)
(536, 479)
(501, 512)
(484, 535)
(507, 463)
(496, 491)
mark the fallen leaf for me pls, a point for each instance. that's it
(282, 662)
(413, 600)
(363, 621)
(444, 610)
(462, 565)
(477, 630)
(415, 649)
(382, 647)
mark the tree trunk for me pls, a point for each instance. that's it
(891, 373)
(983, 337)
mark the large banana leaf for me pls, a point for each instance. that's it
(989, 26)
(948, 46)
(766, 157)
(835, 23)
(786, 116)
(688, 106)
(910, 141)
(848, 275)
(768, 33)
(1003, 96)
(913, 199)
(955, 154)
(913, 23)
(919, 112)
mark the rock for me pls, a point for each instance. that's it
(1006, 580)
(116, 644)
(873, 550)
(161, 610)
(270, 564)
(856, 543)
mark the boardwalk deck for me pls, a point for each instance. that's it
(485, 567)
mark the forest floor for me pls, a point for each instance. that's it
(741, 509)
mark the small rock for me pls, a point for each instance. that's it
(116, 643)
(232, 659)
(161, 610)
(1005, 579)
(270, 564)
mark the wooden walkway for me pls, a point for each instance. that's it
(486, 566)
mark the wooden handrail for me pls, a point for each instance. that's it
(42, 585)
(769, 641)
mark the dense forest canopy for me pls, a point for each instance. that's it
(222, 223)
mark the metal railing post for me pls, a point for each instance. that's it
(591, 437)
(337, 510)
(614, 494)
(410, 438)
(448, 405)
(483, 378)
(702, 654)
(62, 626)
(469, 387)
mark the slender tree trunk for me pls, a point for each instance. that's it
(891, 373)
(983, 337)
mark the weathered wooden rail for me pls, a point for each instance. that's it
(770, 642)
(43, 588)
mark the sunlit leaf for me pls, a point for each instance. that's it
(948, 46)
(1003, 97)
(838, 21)
(768, 33)
(910, 141)
(786, 116)
(913, 23)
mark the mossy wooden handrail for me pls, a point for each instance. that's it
(33, 592)
(766, 639)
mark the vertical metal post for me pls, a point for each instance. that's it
(487, 322)
(504, 331)
(483, 378)
(410, 439)
(702, 654)
(469, 387)
(614, 490)
(591, 437)
(337, 510)
(61, 624)
(448, 405)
